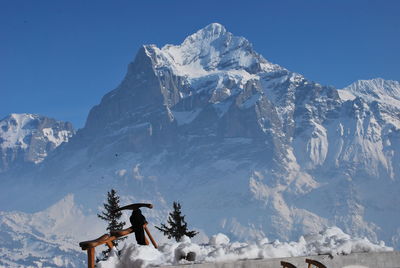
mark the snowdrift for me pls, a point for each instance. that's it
(332, 241)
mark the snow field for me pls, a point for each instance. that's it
(220, 249)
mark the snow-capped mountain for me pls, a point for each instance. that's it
(29, 138)
(248, 147)
(47, 238)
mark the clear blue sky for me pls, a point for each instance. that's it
(58, 58)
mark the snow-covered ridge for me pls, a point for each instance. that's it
(14, 128)
(211, 51)
(214, 48)
(211, 61)
(378, 89)
(378, 92)
(30, 137)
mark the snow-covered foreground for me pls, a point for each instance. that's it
(219, 249)
(50, 238)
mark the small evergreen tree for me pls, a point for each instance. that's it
(178, 226)
(112, 217)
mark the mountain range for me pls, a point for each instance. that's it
(248, 147)
(29, 138)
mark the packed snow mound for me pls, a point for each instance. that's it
(331, 241)
(219, 239)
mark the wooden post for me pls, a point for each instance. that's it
(110, 244)
(90, 253)
(150, 236)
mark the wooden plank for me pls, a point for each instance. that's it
(119, 233)
(93, 243)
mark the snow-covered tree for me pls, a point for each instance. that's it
(177, 225)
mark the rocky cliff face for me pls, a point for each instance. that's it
(29, 138)
(250, 148)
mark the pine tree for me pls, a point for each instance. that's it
(111, 216)
(178, 226)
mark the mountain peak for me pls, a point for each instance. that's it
(212, 58)
(210, 32)
(215, 26)
(18, 120)
(376, 89)
(209, 50)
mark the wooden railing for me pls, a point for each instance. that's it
(108, 239)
